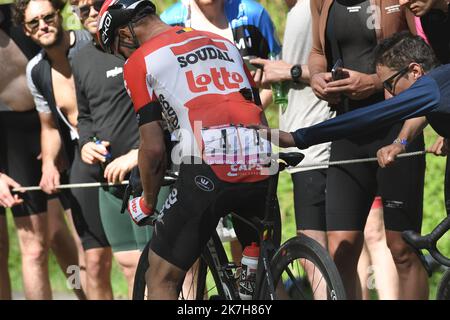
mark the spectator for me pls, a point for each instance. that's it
(351, 189)
(105, 111)
(51, 82)
(36, 221)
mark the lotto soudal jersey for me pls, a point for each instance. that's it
(199, 81)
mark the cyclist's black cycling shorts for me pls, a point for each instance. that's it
(192, 210)
(351, 188)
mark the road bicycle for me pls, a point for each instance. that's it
(429, 242)
(298, 269)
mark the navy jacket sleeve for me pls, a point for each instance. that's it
(420, 99)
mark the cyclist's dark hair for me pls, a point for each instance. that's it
(403, 48)
(20, 6)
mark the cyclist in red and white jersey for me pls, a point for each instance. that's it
(198, 83)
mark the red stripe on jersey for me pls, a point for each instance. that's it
(197, 43)
(135, 76)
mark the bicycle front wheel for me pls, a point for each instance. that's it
(303, 270)
(443, 292)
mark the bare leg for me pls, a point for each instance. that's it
(314, 275)
(98, 273)
(62, 242)
(81, 257)
(128, 261)
(364, 268)
(345, 248)
(5, 281)
(413, 279)
(163, 278)
(190, 282)
(383, 267)
(34, 245)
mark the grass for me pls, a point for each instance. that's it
(434, 210)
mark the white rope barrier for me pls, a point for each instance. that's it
(168, 179)
(352, 161)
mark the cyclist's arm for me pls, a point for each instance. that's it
(419, 100)
(151, 160)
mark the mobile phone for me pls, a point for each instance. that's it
(336, 71)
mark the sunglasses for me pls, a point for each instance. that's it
(83, 11)
(389, 83)
(48, 19)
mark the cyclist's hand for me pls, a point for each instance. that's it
(92, 153)
(440, 147)
(139, 211)
(117, 169)
(6, 198)
(387, 155)
(50, 178)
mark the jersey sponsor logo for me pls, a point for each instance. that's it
(204, 183)
(221, 79)
(170, 201)
(114, 72)
(208, 53)
(169, 113)
(244, 169)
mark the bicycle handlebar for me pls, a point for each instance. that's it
(429, 241)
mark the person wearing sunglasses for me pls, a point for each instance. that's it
(409, 69)
(50, 80)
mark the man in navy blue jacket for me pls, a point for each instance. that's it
(420, 87)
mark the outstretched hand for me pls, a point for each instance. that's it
(285, 139)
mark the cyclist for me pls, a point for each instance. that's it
(249, 26)
(199, 81)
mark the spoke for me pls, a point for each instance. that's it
(294, 281)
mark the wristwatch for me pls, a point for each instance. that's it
(296, 73)
(403, 142)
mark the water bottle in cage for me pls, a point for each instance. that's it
(249, 264)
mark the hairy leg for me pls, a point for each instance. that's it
(413, 279)
(62, 243)
(98, 273)
(163, 278)
(32, 232)
(128, 261)
(345, 248)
